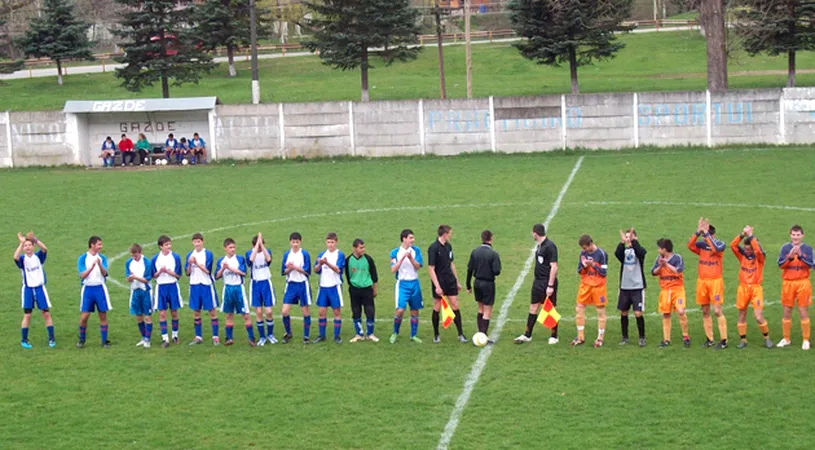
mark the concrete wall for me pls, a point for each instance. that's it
(441, 127)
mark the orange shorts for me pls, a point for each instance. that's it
(672, 299)
(796, 293)
(709, 291)
(592, 295)
(750, 293)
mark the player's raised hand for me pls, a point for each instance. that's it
(700, 225)
(20, 237)
(748, 230)
(622, 237)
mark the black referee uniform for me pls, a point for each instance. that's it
(484, 265)
(440, 256)
(545, 254)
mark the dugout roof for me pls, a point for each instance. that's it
(141, 105)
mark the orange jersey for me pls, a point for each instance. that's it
(667, 277)
(798, 267)
(752, 269)
(595, 273)
(711, 254)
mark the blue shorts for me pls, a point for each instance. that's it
(297, 292)
(167, 296)
(262, 294)
(234, 300)
(330, 297)
(95, 298)
(35, 296)
(408, 293)
(140, 302)
(203, 297)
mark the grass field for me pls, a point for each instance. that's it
(662, 61)
(401, 396)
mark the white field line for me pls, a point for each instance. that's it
(701, 204)
(483, 355)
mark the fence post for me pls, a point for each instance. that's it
(492, 125)
(490, 36)
(782, 125)
(9, 141)
(636, 122)
(213, 140)
(709, 121)
(281, 131)
(351, 128)
(421, 127)
(563, 119)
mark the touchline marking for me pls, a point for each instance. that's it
(484, 355)
(703, 204)
(318, 215)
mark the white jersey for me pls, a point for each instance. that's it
(167, 261)
(95, 277)
(329, 278)
(231, 278)
(260, 268)
(295, 258)
(33, 273)
(406, 271)
(139, 269)
(198, 276)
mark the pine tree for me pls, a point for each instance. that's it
(348, 32)
(58, 34)
(7, 66)
(777, 27)
(160, 44)
(576, 32)
(225, 23)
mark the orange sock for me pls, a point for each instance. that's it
(708, 322)
(786, 328)
(765, 329)
(683, 324)
(722, 327)
(580, 320)
(743, 330)
(666, 328)
(805, 329)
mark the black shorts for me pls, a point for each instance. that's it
(361, 296)
(484, 292)
(449, 286)
(631, 298)
(539, 292)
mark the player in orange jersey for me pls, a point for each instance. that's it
(751, 274)
(795, 262)
(669, 267)
(593, 271)
(709, 284)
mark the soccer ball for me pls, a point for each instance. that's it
(163, 162)
(184, 162)
(480, 339)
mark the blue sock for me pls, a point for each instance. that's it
(198, 328)
(287, 324)
(251, 332)
(414, 325)
(397, 323)
(214, 323)
(192, 160)
(228, 332)
(103, 330)
(141, 329)
(261, 330)
(306, 327)
(82, 331)
(323, 323)
(50, 333)
(270, 328)
(175, 326)
(358, 326)
(337, 327)
(25, 334)
(370, 324)
(148, 330)
(163, 325)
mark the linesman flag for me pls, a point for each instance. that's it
(447, 314)
(548, 316)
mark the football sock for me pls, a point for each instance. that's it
(370, 324)
(323, 323)
(103, 330)
(306, 326)
(50, 332)
(765, 329)
(805, 329)
(197, 325)
(666, 328)
(228, 332)
(414, 325)
(270, 327)
(397, 323)
(148, 330)
(457, 321)
(250, 331)
(163, 325)
(479, 321)
(142, 328)
(175, 328)
(641, 326)
(435, 320)
(708, 323)
(214, 324)
(486, 325)
(82, 331)
(358, 326)
(742, 330)
(261, 329)
(722, 320)
(786, 328)
(25, 334)
(530, 324)
(624, 326)
(683, 324)
(554, 332)
(338, 327)
(580, 320)
(287, 324)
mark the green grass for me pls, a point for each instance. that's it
(383, 396)
(650, 62)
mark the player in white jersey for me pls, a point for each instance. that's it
(202, 288)
(93, 272)
(406, 260)
(33, 291)
(330, 264)
(166, 271)
(296, 267)
(138, 273)
(260, 289)
(232, 268)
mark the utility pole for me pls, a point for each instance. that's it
(442, 83)
(253, 32)
(468, 50)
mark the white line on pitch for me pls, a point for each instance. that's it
(702, 204)
(483, 355)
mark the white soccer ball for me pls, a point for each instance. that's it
(184, 162)
(480, 339)
(163, 162)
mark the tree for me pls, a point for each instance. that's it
(348, 32)
(7, 66)
(225, 23)
(159, 45)
(711, 17)
(574, 31)
(440, 13)
(58, 34)
(776, 27)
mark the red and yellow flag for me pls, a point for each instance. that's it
(548, 317)
(447, 314)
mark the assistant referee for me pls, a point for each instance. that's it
(484, 265)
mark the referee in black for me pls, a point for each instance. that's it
(485, 265)
(544, 284)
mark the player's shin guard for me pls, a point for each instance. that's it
(270, 328)
(287, 324)
(742, 330)
(805, 329)
(683, 324)
(261, 329)
(457, 321)
(666, 328)
(250, 331)
(337, 327)
(175, 327)
(707, 321)
(50, 332)
(323, 322)
(148, 330)
(765, 329)
(198, 327)
(214, 324)
(163, 325)
(722, 321)
(786, 328)
(229, 332)
(397, 323)
(358, 326)
(414, 325)
(24, 334)
(82, 333)
(103, 331)
(370, 325)
(306, 327)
